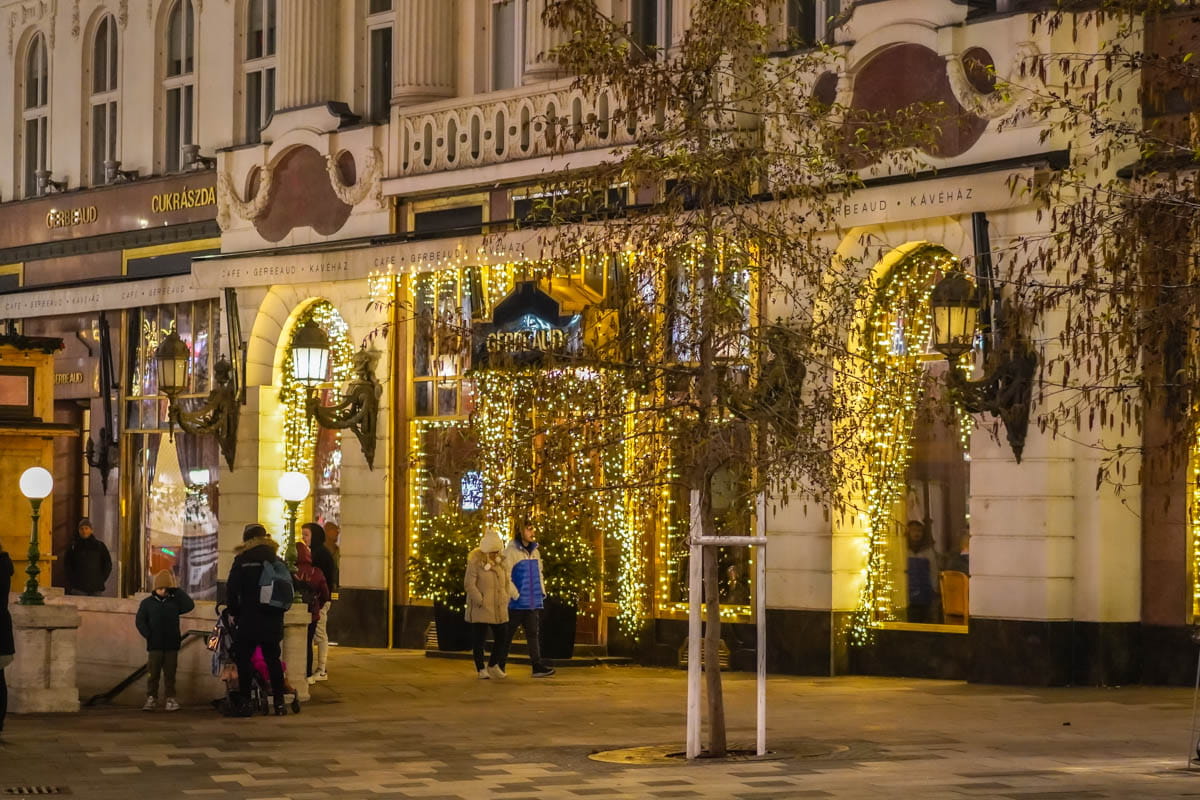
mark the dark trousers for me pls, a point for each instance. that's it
(500, 639)
(162, 662)
(3, 699)
(244, 652)
(312, 630)
(531, 620)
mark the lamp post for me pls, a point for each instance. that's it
(955, 311)
(36, 484)
(293, 488)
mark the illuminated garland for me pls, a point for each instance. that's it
(900, 316)
(1194, 520)
(300, 433)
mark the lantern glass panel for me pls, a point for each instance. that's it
(310, 364)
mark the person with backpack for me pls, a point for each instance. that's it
(258, 592)
(158, 623)
(310, 582)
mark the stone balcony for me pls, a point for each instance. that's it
(505, 127)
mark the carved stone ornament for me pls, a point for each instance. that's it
(75, 19)
(368, 179)
(1004, 98)
(123, 13)
(229, 203)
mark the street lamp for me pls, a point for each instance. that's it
(36, 484)
(359, 409)
(293, 488)
(1006, 390)
(219, 414)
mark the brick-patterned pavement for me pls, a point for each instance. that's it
(392, 724)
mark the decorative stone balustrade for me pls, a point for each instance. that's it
(513, 125)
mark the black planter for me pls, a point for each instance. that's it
(453, 632)
(558, 629)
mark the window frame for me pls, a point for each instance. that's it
(521, 12)
(38, 114)
(382, 20)
(106, 98)
(263, 66)
(184, 83)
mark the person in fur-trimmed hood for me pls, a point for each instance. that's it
(525, 569)
(258, 625)
(489, 589)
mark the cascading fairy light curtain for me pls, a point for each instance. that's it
(896, 330)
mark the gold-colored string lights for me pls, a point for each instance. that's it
(896, 330)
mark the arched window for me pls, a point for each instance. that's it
(258, 68)
(104, 99)
(179, 82)
(35, 115)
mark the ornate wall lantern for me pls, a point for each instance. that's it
(1007, 388)
(359, 409)
(219, 414)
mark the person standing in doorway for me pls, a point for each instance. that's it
(7, 640)
(524, 564)
(259, 624)
(489, 591)
(87, 562)
(924, 600)
(316, 537)
(158, 623)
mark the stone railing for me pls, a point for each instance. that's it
(509, 126)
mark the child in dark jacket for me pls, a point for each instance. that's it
(158, 623)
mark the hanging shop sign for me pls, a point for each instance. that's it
(526, 327)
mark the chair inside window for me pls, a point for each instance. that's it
(955, 603)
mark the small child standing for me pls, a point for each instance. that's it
(158, 623)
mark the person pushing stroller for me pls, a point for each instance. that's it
(259, 591)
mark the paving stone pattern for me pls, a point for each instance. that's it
(392, 724)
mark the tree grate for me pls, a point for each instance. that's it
(26, 791)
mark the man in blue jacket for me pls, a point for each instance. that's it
(524, 562)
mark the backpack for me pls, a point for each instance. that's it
(275, 589)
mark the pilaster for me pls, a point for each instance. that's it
(308, 32)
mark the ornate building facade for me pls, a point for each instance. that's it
(232, 170)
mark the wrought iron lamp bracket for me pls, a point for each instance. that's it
(1006, 393)
(217, 417)
(103, 458)
(359, 409)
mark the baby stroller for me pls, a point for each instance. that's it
(224, 667)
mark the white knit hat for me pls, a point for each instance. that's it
(491, 541)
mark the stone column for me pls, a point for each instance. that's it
(42, 676)
(425, 51)
(308, 49)
(295, 640)
(540, 39)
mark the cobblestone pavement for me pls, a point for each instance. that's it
(393, 724)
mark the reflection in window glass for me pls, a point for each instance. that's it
(174, 498)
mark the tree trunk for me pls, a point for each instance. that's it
(712, 651)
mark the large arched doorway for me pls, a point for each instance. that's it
(914, 490)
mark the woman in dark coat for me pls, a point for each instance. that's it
(7, 648)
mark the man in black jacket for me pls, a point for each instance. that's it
(314, 536)
(258, 624)
(87, 562)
